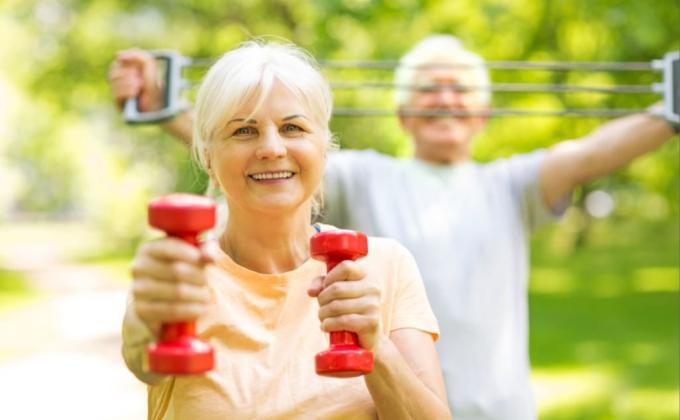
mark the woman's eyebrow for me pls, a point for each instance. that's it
(250, 121)
(292, 117)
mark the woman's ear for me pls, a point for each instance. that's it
(208, 164)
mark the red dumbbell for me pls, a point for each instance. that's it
(179, 351)
(344, 358)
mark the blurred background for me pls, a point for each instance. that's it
(75, 181)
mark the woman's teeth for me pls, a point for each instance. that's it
(272, 175)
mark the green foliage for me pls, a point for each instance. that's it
(65, 150)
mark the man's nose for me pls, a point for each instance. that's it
(449, 95)
(271, 145)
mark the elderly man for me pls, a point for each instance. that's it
(467, 224)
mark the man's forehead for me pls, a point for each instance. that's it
(442, 73)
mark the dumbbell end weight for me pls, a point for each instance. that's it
(180, 352)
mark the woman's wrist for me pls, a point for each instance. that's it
(383, 348)
(136, 337)
(135, 332)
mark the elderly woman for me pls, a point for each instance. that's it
(262, 135)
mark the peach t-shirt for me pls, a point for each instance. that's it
(265, 332)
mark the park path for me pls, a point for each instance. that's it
(60, 353)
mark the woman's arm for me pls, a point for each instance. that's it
(406, 382)
(136, 338)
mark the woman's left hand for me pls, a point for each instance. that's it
(349, 301)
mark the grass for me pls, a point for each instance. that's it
(604, 323)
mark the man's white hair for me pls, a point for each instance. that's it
(440, 49)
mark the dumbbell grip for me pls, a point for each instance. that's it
(189, 238)
(177, 330)
(340, 338)
(344, 338)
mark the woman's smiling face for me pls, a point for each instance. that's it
(270, 159)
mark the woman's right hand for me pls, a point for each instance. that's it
(169, 282)
(134, 74)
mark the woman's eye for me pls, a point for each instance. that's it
(244, 131)
(291, 128)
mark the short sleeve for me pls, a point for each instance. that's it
(525, 185)
(345, 182)
(412, 308)
(337, 186)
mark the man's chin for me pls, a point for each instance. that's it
(444, 137)
(443, 151)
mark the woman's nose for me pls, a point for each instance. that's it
(271, 146)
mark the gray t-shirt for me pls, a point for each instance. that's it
(468, 227)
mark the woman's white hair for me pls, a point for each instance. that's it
(440, 49)
(247, 73)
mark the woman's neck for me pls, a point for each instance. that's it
(267, 244)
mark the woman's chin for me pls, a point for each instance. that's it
(278, 207)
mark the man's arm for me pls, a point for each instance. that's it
(181, 126)
(614, 144)
(133, 75)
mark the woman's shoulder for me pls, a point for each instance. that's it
(387, 245)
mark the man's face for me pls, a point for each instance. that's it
(444, 139)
